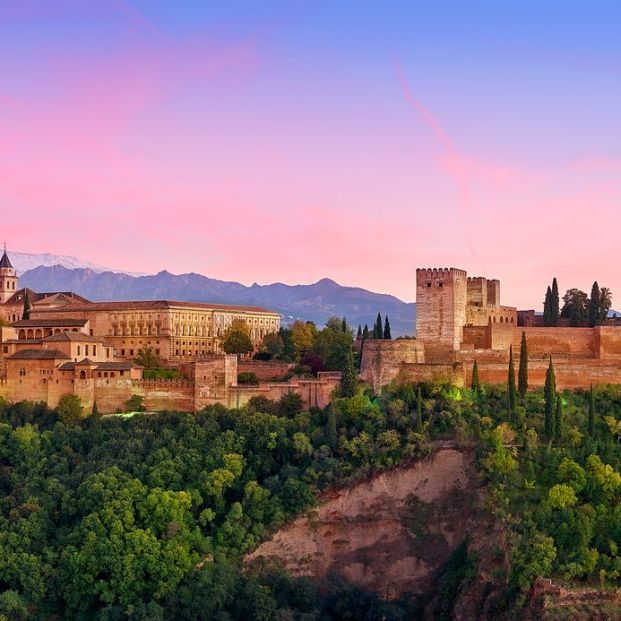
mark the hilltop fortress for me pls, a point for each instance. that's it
(459, 319)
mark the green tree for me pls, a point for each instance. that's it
(419, 411)
(386, 333)
(273, 344)
(365, 332)
(95, 410)
(591, 417)
(547, 308)
(595, 306)
(135, 404)
(303, 334)
(554, 304)
(69, 409)
(331, 429)
(549, 392)
(523, 370)
(605, 303)
(474, 384)
(511, 391)
(237, 342)
(344, 324)
(378, 330)
(349, 380)
(148, 358)
(575, 307)
(26, 311)
(558, 414)
(333, 345)
(359, 333)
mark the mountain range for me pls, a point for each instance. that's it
(316, 302)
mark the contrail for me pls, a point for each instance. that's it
(453, 161)
(130, 11)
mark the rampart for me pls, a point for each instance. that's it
(266, 371)
(382, 359)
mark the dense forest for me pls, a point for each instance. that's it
(148, 517)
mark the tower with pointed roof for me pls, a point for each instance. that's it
(8, 278)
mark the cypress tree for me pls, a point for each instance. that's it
(331, 430)
(591, 413)
(523, 370)
(344, 325)
(555, 309)
(26, 311)
(511, 392)
(557, 417)
(549, 394)
(349, 380)
(378, 331)
(365, 332)
(95, 410)
(474, 384)
(547, 308)
(359, 334)
(594, 306)
(387, 334)
(419, 411)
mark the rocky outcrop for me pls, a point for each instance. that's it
(392, 533)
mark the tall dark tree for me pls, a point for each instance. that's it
(549, 393)
(558, 415)
(378, 331)
(523, 370)
(474, 383)
(387, 334)
(349, 380)
(331, 429)
(591, 412)
(359, 334)
(344, 324)
(511, 391)
(365, 332)
(547, 308)
(419, 411)
(594, 306)
(555, 312)
(26, 311)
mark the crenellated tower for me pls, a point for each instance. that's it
(441, 295)
(8, 278)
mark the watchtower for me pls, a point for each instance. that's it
(441, 295)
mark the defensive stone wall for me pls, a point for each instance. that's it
(382, 359)
(608, 342)
(266, 371)
(572, 342)
(431, 372)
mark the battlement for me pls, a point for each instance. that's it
(438, 272)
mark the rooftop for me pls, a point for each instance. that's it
(38, 354)
(78, 337)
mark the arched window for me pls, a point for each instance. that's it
(30, 334)
(82, 374)
(502, 320)
(38, 334)
(22, 335)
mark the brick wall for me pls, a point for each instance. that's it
(381, 359)
(573, 342)
(266, 371)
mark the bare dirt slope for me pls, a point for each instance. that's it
(389, 534)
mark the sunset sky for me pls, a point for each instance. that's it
(290, 141)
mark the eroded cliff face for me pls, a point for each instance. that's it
(393, 533)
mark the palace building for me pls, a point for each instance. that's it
(177, 331)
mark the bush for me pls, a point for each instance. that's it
(247, 377)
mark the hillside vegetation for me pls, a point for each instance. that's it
(149, 517)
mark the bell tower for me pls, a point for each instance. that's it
(8, 278)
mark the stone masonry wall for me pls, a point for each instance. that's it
(381, 359)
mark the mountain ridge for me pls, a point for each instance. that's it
(316, 301)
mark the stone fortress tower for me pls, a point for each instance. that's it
(441, 295)
(449, 303)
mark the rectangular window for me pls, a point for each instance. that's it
(79, 350)
(86, 350)
(94, 350)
